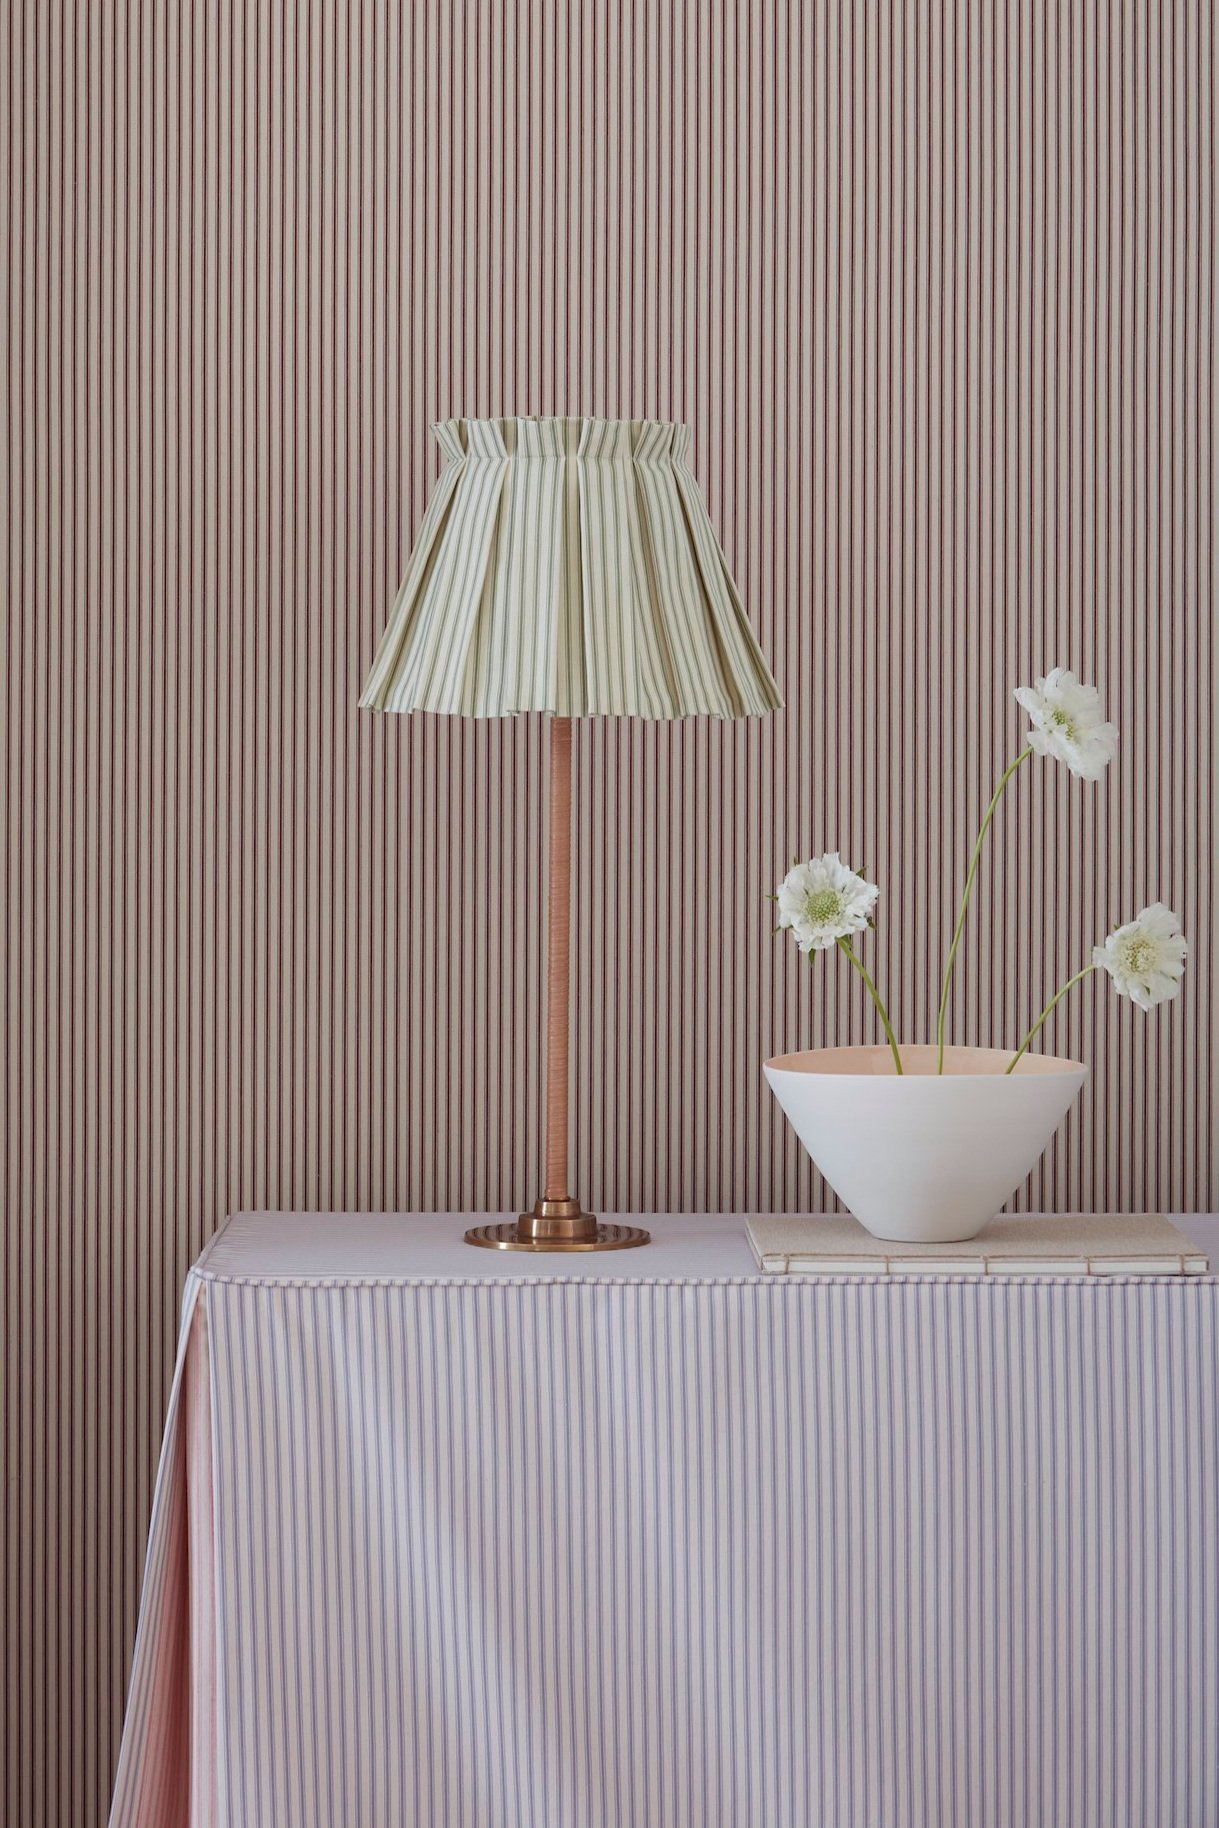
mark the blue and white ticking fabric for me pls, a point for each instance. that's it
(442, 1541)
(568, 565)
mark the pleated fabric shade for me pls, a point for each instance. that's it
(568, 566)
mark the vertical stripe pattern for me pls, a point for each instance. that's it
(930, 1554)
(933, 289)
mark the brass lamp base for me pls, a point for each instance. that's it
(557, 1225)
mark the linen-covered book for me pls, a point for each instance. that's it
(1084, 1244)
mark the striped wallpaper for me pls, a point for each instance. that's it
(934, 289)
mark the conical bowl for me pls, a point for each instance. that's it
(924, 1157)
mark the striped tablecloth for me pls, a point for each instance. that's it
(799, 1552)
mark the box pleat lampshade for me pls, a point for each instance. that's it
(569, 567)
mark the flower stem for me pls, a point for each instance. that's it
(969, 886)
(1054, 1000)
(844, 946)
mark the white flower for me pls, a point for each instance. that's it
(823, 901)
(1068, 723)
(1146, 957)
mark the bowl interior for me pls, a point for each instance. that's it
(919, 1062)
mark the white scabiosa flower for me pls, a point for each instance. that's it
(1068, 723)
(1146, 957)
(822, 901)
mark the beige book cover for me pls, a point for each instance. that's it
(1075, 1244)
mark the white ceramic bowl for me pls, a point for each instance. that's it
(923, 1158)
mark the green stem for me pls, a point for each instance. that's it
(969, 885)
(844, 946)
(1051, 1005)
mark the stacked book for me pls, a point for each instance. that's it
(1091, 1244)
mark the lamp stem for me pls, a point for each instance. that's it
(558, 1221)
(558, 960)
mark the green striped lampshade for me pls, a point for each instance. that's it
(568, 565)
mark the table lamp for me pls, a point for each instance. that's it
(568, 567)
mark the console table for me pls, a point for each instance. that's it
(842, 1551)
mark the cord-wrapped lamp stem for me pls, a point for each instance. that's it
(558, 1221)
(558, 961)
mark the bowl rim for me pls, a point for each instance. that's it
(1031, 1066)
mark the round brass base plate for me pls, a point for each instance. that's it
(607, 1237)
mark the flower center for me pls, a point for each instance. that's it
(1140, 955)
(823, 906)
(1063, 723)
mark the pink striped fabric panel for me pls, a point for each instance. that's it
(170, 1707)
(904, 1553)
